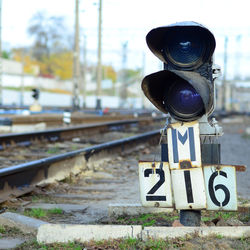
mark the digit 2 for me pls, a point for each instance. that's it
(157, 185)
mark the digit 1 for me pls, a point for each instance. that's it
(188, 184)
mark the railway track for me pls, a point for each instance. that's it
(66, 133)
(57, 119)
(22, 178)
(106, 175)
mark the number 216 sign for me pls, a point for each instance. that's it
(183, 180)
(215, 191)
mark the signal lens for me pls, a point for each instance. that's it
(185, 49)
(183, 101)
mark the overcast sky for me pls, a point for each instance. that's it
(131, 20)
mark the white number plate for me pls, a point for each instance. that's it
(220, 187)
(189, 189)
(155, 184)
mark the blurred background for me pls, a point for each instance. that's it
(92, 53)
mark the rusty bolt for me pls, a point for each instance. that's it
(218, 167)
(157, 204)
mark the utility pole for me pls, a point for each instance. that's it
(237, 60)
(76, 64)
(224, 83)
(22, 83)
(84, 71)
(123, 89)
(1, 63)
(99, 60)
(237, 57)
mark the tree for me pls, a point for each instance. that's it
(49, 34)
(30, 66)
(52, 50)
(62, 64)
(109, 73)
(6, 54)
(130, 75)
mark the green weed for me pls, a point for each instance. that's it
(149, 223)
(243, 201)
(193, 242)
(41, 213)
(129, 243)
(148, 219)
(36, 212)
(54, 150)
(219, 236)
(33, 244)
(55, 211)
(209, 216)
(2, 229)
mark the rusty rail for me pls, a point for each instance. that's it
(25, 139)
(23, 178)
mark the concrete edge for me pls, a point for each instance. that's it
(24, 223)
(63, 233)
(174, 232)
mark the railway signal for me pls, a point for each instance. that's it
(185, 90)
(35, 93)
(35, 106)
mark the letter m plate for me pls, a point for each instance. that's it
(184, 148)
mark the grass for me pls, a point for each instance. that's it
(243, 201)
(164, 219)
(9, 231)
(55, 211)
(147, 220)
(209, 216)
(36, 213)
(74, 147)
(191, 242)
(33, 244)
(53, 150)
(129, 243)
(212, 215)
(219, 236)
(41, 213)
(2, 229)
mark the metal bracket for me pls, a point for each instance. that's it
(207, 128)
(211, 128)
(216, 71)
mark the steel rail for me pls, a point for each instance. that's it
(51, 135)
(23, 178)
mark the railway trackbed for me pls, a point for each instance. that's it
(22, 178)
(81, 184)
(22, 147)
